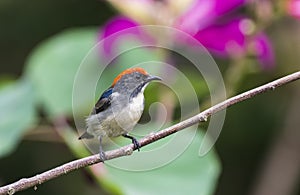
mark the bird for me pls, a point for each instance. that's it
(119, 108)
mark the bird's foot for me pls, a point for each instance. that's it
(102, 156)
(101, 152)
(136, 144)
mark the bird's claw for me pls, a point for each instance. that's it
(136, 144)
(102, 156)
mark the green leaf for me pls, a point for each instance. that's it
(53, 65)
(17, 114)
(187, 174)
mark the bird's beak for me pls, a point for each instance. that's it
(151, 78)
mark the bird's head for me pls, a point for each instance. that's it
(132, 81)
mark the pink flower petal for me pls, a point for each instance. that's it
(115, 25)
(120, 28)
(226, 39)
(293, 8)
(264, 51)
(203, 12)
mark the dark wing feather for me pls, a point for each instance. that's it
(102, 104)
(86, 135)
(104, 101)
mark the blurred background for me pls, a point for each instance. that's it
(42, 44)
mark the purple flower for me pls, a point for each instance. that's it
(227, 39)
(293, 8)
(263, 50)
(203, 13)
(213, 23)
(117, 25)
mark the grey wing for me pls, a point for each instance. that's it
(104, 101)
(102, 104)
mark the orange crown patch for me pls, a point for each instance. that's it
(128, 71)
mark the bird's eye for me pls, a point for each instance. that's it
(138, 77)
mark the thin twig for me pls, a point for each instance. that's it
(127, 150)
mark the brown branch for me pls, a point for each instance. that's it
(127, 150)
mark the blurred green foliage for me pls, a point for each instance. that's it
(194, 174)
(40, 41)
(51, 71)
(17, 113)
(52, 67)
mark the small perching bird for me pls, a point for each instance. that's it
(119, 108)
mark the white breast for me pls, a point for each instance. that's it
(122, 121)
(136, 106)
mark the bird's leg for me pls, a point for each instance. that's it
(134, 141)
(101, 152)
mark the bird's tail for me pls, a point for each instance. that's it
(86, 135)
